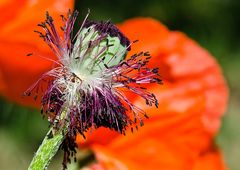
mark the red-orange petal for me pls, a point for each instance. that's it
(17, 71)
(149, 158)
(171, 141)
(210, 161)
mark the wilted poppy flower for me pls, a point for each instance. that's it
(178, 135)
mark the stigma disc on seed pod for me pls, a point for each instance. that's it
(102, 45)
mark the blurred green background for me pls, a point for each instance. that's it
(215, 24)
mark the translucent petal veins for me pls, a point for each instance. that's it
(90, 78)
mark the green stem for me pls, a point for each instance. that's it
(48, 148)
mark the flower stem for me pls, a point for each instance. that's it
(48, 148)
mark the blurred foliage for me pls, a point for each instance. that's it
(212, 23)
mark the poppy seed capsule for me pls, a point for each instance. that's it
(90, 78)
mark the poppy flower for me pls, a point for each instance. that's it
(178, 135)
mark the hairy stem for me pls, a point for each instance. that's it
(48, 148)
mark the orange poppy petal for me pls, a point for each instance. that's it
(15, 7)
(209, 161)
(17, 71)
(152, 155)
(150, 33)
(24, 20)
(170, 142)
